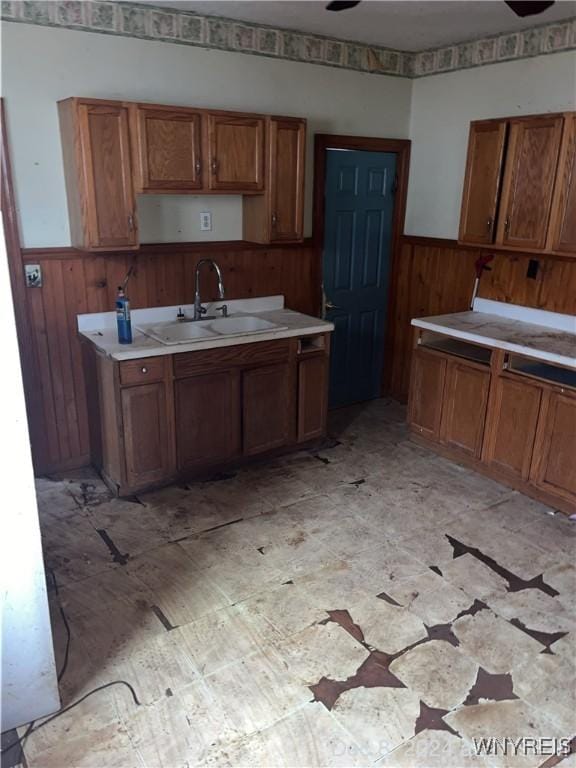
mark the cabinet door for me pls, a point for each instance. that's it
(236, 149)
(107, 187)
(287, 145)
(147, 435)
(464, 407)
(312, 397)
(426, 390)
(208, 419)
(168, 150)
(267, 408)
(482, 181)
(563, 218)
(554, 464)
(529, 177)
(511, 425)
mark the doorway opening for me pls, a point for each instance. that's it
(360, 187)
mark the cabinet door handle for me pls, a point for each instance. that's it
(507, 225)
(144, 369)
(214, 165)
(198, 167)
(274, 219)
(489, 224)
(131, 222)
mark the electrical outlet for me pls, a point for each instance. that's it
(33, 275)
(205, 221)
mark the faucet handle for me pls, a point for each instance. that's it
(223, 309)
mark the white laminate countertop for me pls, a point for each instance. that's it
(100, 328)
(534, 333)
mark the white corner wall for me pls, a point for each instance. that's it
(442, 108)
(42, 65)
(28, 671)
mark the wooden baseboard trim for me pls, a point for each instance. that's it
(528, 489)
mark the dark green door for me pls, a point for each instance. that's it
(356, 265)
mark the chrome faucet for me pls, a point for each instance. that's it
(199, 310)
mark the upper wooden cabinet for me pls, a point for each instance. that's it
(528, 184)
(236, 152)
(98, 171)
(167, 149)
(519, 190)
(562, 233)
(113, 150)
(482, 182)
(278, 215)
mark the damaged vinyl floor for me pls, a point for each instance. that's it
(370, 604)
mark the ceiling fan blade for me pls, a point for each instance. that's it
(528, 7)
(342, 5)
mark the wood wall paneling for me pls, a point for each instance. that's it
(436, 277)
(75, 282)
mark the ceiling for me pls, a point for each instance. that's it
(410, 25)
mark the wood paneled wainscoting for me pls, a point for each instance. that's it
(436, 276)
(431, 276)
(75, 282)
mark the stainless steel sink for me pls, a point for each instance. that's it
(185, 332)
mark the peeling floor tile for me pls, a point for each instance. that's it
(493, 642)
(475, 578)
(505, 720)
(379, 719)
(224, 637)
(169, 734)
(182, 591)
(257, 691)
(323, 650)
(386, 627)
(308, 737)
(549, 683)
(439, 673)
(288, 609)
(535, 610)
(309, 611)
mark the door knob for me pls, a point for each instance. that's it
(329, 305)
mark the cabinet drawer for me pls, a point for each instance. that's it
(206, 361)
(142, 371)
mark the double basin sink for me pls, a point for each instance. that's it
(186, 331)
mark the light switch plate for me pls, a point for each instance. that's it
(33, 275)
(206, 221)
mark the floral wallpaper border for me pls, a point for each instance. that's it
(185, 28)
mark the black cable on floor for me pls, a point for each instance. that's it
(32, 728)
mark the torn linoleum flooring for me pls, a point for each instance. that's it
(369, 603)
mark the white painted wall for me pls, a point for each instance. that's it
(42, 65)
(28, 671)
(442, 108)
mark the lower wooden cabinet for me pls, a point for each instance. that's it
(267, 408)
(511, 425)
(554, 463)
(208, 418)
(147, 436)
(517, 427)
(426, 392)
(464, 406)
(192, 413)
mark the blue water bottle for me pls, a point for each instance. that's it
(123, 317)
